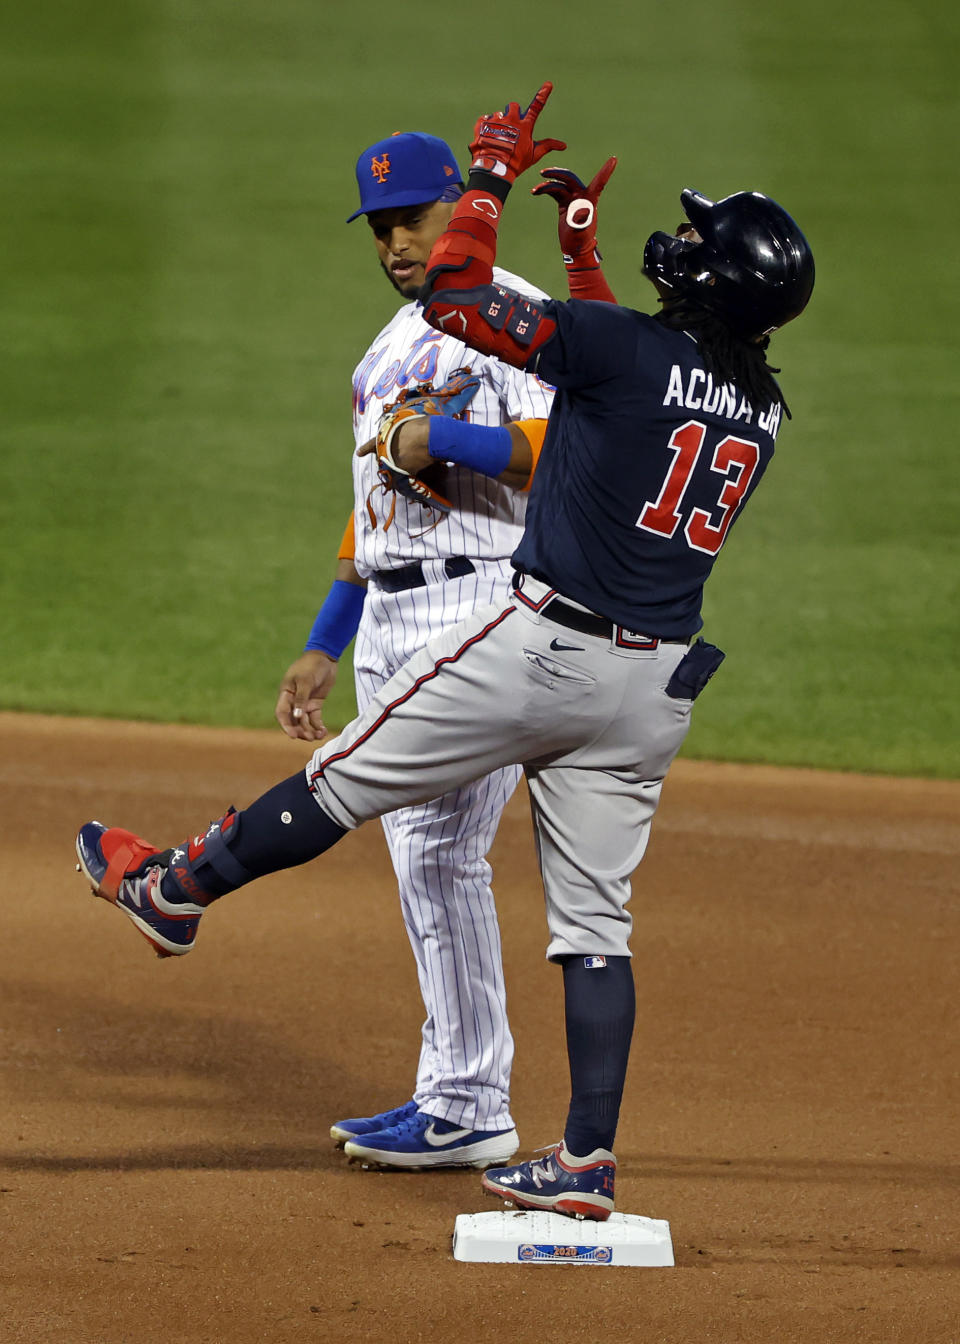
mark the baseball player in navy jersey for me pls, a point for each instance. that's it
(659, 434)
(403, 576)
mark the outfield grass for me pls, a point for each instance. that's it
(184, 307)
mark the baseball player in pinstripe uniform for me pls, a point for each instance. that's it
(406, 574)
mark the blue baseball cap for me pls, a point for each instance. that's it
(408, 168)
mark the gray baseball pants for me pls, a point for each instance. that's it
(587, 718)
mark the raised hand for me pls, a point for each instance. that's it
(503, 142)
(577, 204)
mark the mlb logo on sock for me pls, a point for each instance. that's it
(594, 963)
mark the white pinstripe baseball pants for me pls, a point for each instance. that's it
(438, 850)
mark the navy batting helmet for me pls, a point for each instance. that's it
(753, 269)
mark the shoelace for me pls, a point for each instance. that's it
(399, 1115)
(543, 1169)
(411, 1123)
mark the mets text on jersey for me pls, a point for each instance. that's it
(419, 366)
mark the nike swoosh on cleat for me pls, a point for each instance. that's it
(560, 648)
(436, 1140)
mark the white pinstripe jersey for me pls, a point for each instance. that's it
(486, 520)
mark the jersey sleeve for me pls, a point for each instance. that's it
(348, 544)
(534, 431)
(524, 396)
(593, 343)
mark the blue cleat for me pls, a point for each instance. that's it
(421, 1141)
(345, 1130)
(126, 871)
(561, 1183)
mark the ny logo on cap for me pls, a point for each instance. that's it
(380, 167)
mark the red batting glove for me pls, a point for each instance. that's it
(503, 142)
(577, 223)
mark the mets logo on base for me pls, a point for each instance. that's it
(565, 1255)
(380, 167)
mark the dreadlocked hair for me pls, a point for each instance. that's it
(728, 359)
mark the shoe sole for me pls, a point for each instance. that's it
(162, 949)
(581, 1207)
(475, 1156)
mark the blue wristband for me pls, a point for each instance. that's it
(338, 618)
(483, 448)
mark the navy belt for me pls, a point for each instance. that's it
(587, 622)
(412, 576)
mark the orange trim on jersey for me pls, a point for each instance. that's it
(348, 546)
(533, 431)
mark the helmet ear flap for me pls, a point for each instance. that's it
(664, 259)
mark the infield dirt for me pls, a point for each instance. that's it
(791, 1108)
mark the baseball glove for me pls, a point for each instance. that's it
(450, 398)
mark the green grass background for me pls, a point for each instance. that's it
(183, 307)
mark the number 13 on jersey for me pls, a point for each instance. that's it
(735, 462)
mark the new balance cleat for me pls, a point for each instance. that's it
(420, 1142)
(126, 871)
(344, 1130)
(561, 1183)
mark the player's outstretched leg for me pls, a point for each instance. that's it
(166, 892)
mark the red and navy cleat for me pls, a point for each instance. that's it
(560, 1183)
(127, 871)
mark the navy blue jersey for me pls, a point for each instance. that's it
(645, 467)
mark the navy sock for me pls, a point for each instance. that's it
(284, 827)
(600, 1006)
